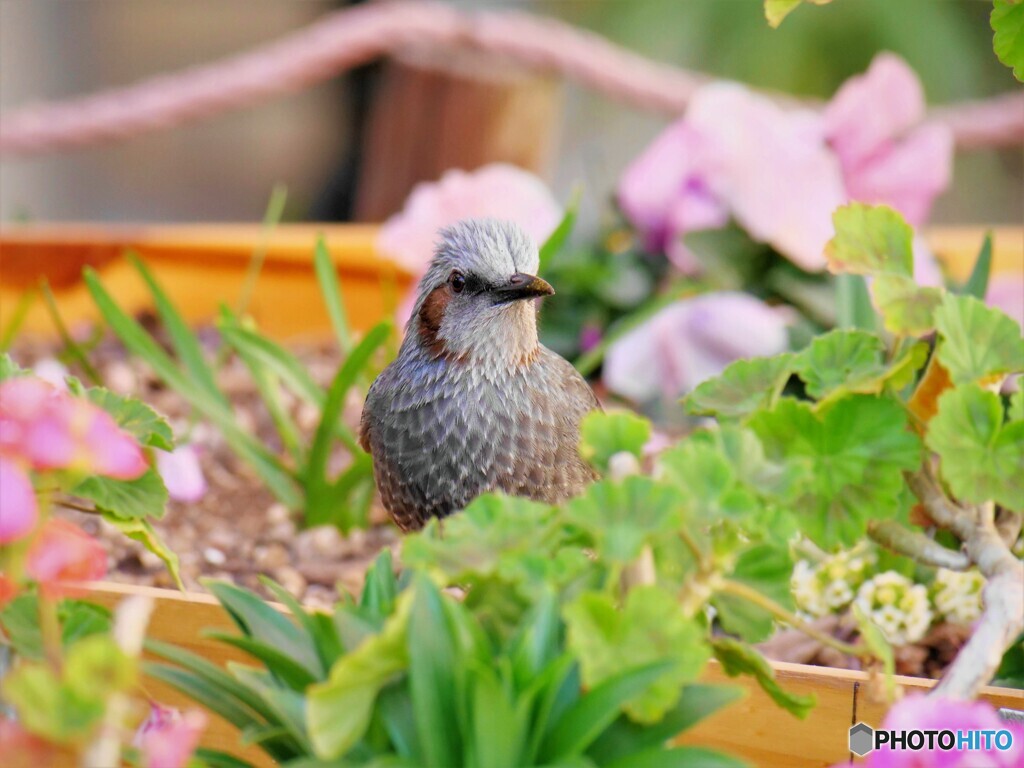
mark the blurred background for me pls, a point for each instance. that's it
(350, 148)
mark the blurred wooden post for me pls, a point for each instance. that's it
(435, 110)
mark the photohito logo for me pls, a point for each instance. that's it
(865, 739)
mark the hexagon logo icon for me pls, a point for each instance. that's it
(862, 739)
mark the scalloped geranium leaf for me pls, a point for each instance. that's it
(622, 517)
(738, 658)
(9, 369)
(1017, 405)
(707, 480)
(602, 435)
(143, 497)
(142, 532)
(977, 341)
(649, 628)
(982, 458)
(870, 240)
(475, 542)
(767, 568)
(742, 388)
(854, 455)
(907, 308)
(1008, 42)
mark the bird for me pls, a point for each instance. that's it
(474, 402)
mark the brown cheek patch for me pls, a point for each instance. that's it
(430, 317)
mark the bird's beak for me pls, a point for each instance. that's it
(522, 286)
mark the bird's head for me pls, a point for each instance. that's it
(475, 301)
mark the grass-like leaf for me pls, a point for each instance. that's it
(327, 277)
(560, 235)
(977, 282)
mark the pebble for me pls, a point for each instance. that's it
(290, 579)
(318, 596)
(278, 513)
(269, 557)
(214, 556)
(119, 377)
(321, 543)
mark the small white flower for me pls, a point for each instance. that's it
(829, 586)
(957, 596)
(897, 606)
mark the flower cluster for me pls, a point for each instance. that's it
(780, 173)
(957, 595)
(43, 428)
(829, 586)
(897, 606)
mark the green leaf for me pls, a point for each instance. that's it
(602, 435)
(767, 568)
(583, 722)
(707, 480)
(977, 283)
(285, 669)
(977, 341)
(497, 739)
(649, 628)
(141, 498)
(622, 517)
(777, 10)
(698, 701)
(870, 240)
(841, 359)
(380, 587)
(852, 457)
(1008, 42)
(853, 303)
(47, 706)
(743, 387)
(982, 458)
(264, 352)
(434, 681)
(267, 625)
(9, 369)
(184, 341)
(141, 531)
(135, 417)
(738, 658)
(679, 757)
(213, 758)
(875, 640)
(339, 710)
(907, 308)
(561, 233)
(327, 277)
(19, 620)
(320, 502)
(323, 634)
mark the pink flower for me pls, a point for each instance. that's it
(50, 429)
(168, 738)
(181, 473)
(930, 713)
(61, 553)
(18, 509)
(874, 124)
(497, 191)
(690, 341)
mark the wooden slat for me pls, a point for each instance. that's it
(754, 728)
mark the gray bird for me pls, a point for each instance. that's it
(474, 402)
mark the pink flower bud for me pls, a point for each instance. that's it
(168, 738)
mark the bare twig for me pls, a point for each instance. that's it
(1003, 618)
(916, 546)
(1008, 523)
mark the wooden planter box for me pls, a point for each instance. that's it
(753, 728)
(203, 265)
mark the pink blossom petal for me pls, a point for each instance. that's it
(498, 191)
(8, 590)
(18, 509)
(907, 175)
(52, 371)
(690, 341)
(182, 473)
(110, 450)
(772, 167)
(918, 712)
(61, 553)
(168, 738)
(927, 270)
(868, 110)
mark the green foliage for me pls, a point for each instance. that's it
(743, 387)
(602, 435)
(302, 481)
(1008, 42)
(738, 658)
(777, 10)
(870, 240)
(982, 458)
(19, 620)
(977, 283)
(977, 341)
(557, 239)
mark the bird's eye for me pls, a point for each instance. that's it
(457, 281)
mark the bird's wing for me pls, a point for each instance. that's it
(576, 387)
(366, 421)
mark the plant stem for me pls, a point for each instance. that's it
(786, 616)
(916, 546)
(70, 344)
(695, 550)
(49, 628)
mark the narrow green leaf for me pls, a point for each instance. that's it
(283, 667)
(679, 757)
(213, 758)
(271, 217)
(322, 634)
(977, 283)
(17, 318)
(72, 347)
(561, 233)
(141, 531)
(327, 277)
(212, 696)
(265, 353)
(585, 720)
(184, 341)
(738, 658)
